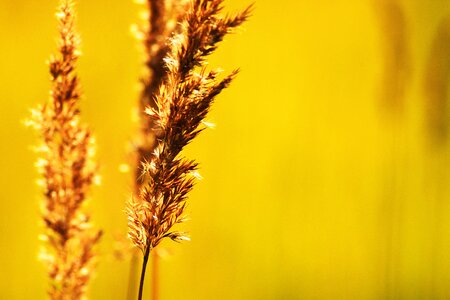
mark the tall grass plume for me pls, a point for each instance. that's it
(182, 102)
(161, 18)
(68, 170)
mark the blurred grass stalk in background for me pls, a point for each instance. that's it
(392, 104)
(397, 200)
(437, 160)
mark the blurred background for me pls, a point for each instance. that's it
(327, 176)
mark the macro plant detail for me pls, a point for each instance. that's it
(68, 170)
(340, 138)
(180, 105)
(177, 94)
(162, 19)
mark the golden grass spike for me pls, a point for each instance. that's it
(162, 20)
(181, 104)
(66, 164)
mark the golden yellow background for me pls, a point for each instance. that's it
(327, 177)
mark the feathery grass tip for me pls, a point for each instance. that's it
(68, 170)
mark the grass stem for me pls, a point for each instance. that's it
(144, 267)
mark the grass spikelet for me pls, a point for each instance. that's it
(66, 164)
(161, 20)
(181, 105)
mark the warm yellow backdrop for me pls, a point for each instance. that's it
(327, 176)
